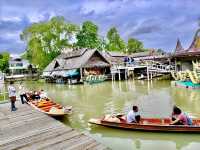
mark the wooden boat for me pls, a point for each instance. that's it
(50, 108)
(149, 124)
(91, 79)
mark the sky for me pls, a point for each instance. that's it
(157, 23)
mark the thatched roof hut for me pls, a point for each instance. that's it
(82, 58)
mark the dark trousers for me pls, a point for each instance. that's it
(22, 96)
(13, 108)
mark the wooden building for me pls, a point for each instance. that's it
(76, 65)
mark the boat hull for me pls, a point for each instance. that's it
(162, 126)
(51, 114)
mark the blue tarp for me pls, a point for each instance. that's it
(71, 73)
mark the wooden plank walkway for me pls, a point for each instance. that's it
(28, 129)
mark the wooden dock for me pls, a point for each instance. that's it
(28, 129)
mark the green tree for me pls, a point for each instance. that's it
(115, 43)
(4, 61)
(45, 40)
(134, 46)
(161, 51)
(88, 36)
(102, 44)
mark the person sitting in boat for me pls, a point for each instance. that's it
(43, 95)
(133, 116)
(179, 117)
(35, 95)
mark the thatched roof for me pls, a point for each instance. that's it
(193, 50)
(114, 57)
(179, 47)
(116, 54)
(77, 59)
(140, 54)
(150, 52)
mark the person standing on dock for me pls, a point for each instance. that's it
(12, 95)
(22, 92)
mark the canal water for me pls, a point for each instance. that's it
(154, 98)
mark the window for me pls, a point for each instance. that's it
(19, 64)
(56, 65)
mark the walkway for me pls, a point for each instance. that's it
(28, 129)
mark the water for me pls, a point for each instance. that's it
(155, 99)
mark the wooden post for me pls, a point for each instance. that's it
(147, 73)
(81, 73)
(119, 74)
(112, 76)
(128, 73)
(125, 74)
(175, 66)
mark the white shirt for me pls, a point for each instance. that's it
(131, 116)
(21, 90)
(11, 91)
(43, 95)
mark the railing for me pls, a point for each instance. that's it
(3, 92)
(128, 64)
(3, 96)
(152, 67)
(166, 68)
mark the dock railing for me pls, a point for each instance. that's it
(161, 68)
(3, 92)
(3, 97)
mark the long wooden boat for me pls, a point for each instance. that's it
(92, 79)
(150, 124)
(50, 107)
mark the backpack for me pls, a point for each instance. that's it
(189, 119)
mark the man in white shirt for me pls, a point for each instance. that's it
(22, 93)
(133, 116)
(43, 94)
(12, 95)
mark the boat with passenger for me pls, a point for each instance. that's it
(48, 106)
(147, 124)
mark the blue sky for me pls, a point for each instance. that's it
(157, 23)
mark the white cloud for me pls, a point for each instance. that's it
(11, 18)
(99, 7)
(41, 16)
(12, 35)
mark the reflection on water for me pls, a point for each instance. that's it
(155, 99)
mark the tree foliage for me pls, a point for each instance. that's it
(4, 61)
(115, 43)
(46, 39)
(88, 36)
(134, 46)
(161, 51)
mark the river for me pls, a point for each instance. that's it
(154, 98)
